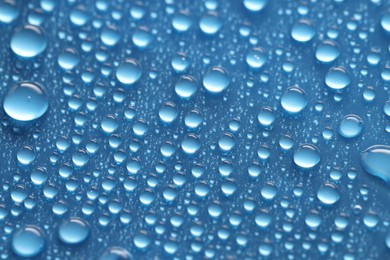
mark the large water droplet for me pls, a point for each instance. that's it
(255, 5)
(129, 72)
(256, 58)
(327, 52)
(337, 78)
(190, 144)
(307, 156)
(28, 241)
(293, 100)
(385, 23)
(26, 101)
(376, 161)
(8, 11)
(350, 126)
(185, 87)
(28, 41)
(116, 253)
(210, 24)
(302, 31)
(216, 80)
(328, 194)
(73, 231)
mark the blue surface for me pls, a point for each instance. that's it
(195, 129)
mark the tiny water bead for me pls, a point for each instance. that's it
(375, 160)
(337, 78)
(26, 101)
(307, 156)
(255, 5)
(129, 72)
(186, 87)
(28, 41)
(216, 80)
(350, 126)
(328, 194)
(327, 52)
(303, 31)
(256, 58)
(293, 100)
(28, 241)
(73, 231)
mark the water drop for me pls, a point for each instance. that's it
(255, 5)
(327, 52)
(28, 41)
(190, 144)
(168, 112)
(350, 126)
(68, 59)
(185, 87)
(303, 31)
(8, 11)
(293, 100)
(216, 80)
(266, 116)
(256, 58)
(337, 78)
(375, 160)
(26, 155)
(26, 101)
(116, 253)
(28, 241)
(210, 24)
(129, 72)
(73, 231)
(307, 156)
(385, 23)
(181, 21)
(328, 194)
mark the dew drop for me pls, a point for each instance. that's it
(303, 31)
(256, 58)
(190, 144)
